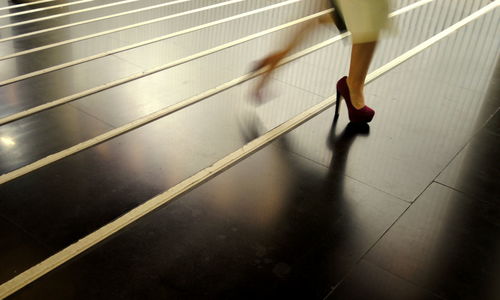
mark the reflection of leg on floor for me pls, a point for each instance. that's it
(340, 146)
(249, 122)
(316, 213)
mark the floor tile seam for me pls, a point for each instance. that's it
(299, 87)
(497, 111)
(364, 256)
(45, 246)
(143, 68)
(466, 194)
(352, 178)
(117, 56)
(380, 190)
(485, 123)
(384, 233)
(394, 223)
(339, 283)
(351, 270)
(466, 144)
(334, 287)
(83, 111)
(411, 282)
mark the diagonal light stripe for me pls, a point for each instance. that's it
(142, 74)
(64, 14)
(121, 28)
(45, 8)
(128, 12)
(143, 43)
(25, 4)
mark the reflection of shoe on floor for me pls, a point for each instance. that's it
(348, 135)
(357, 129)
(250, 125)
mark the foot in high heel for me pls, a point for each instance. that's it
(362, 115)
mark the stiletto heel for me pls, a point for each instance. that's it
(337, 106)
(363, 115)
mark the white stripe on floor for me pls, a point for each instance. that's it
(142, 74)
(16, 54)
(25, 4)
(46, 8)
(143, 43)
(66, 14)
(128, 12)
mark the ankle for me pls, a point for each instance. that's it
(355, 87)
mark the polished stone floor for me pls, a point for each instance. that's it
(405, 208)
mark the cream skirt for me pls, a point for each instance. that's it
(364, 18)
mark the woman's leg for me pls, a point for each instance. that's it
(365, 19)
(361, 57)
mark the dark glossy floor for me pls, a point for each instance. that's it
(405, 208)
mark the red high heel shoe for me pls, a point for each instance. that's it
(363, 115)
